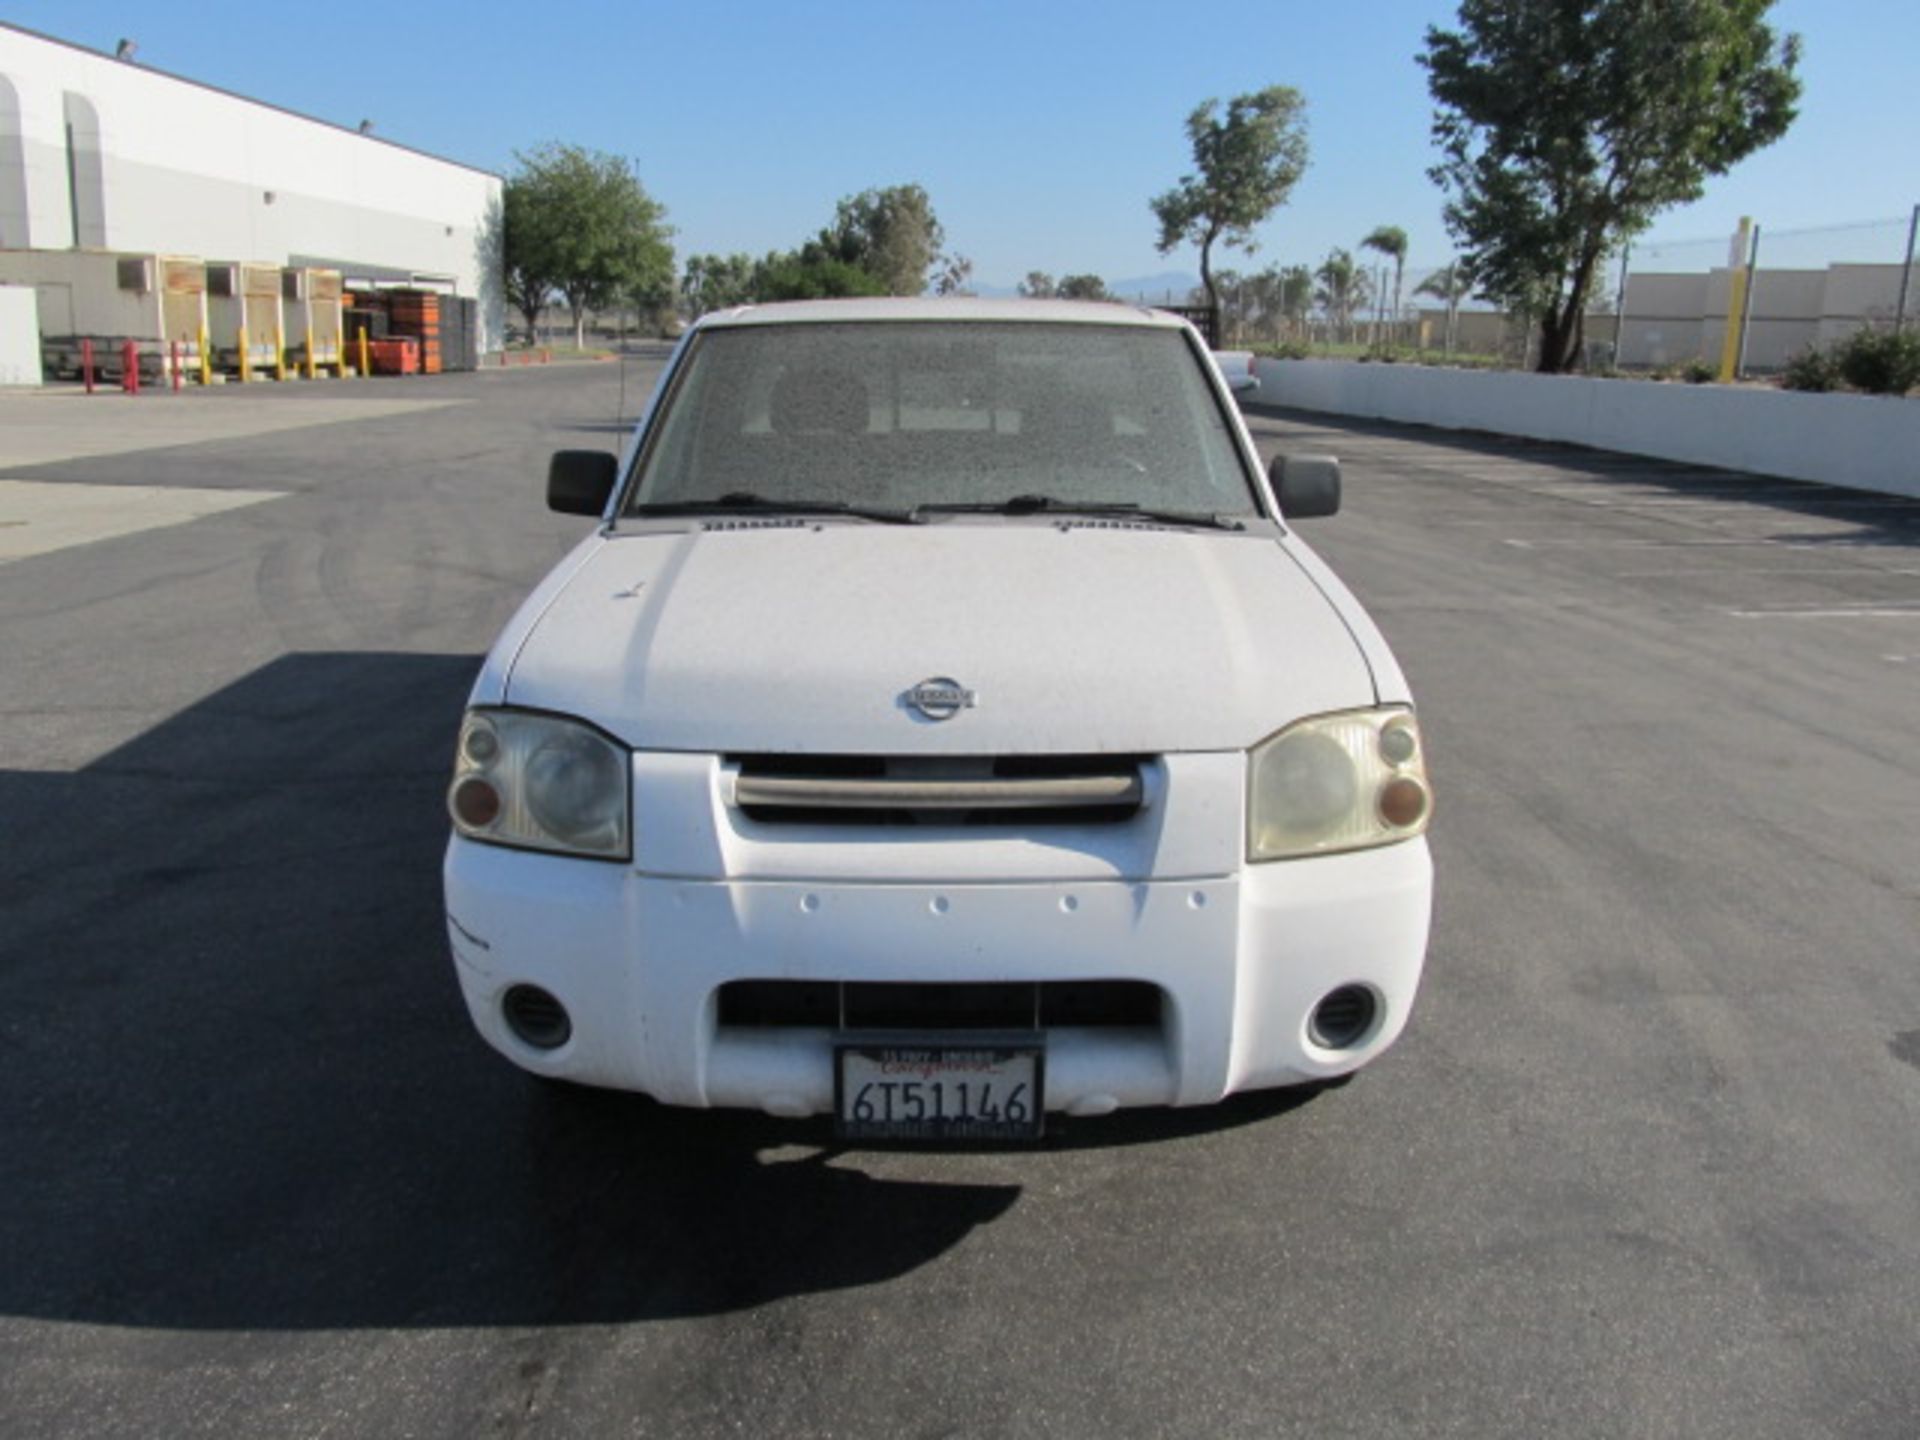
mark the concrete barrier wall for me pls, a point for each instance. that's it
(1869, 442)
(19, 336)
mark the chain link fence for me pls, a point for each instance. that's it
(1663, 304)
(1806, 287)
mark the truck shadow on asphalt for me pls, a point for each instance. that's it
(241, 1091)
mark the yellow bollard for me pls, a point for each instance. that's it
(206, 358)
(1737, 283)
(279, 353)
(363, 352)
(246, 356)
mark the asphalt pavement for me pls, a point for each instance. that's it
(1644, 1163)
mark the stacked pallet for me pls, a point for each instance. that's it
(364, 313)
(364, 318)
(417, 313)
(459, 333)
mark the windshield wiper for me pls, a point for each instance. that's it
(747, 500)
(1053, 505)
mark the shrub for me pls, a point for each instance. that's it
(1811, 369)
(1880, 362)
(1698, 372)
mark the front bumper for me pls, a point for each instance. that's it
(637, 960)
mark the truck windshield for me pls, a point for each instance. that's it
(958, 415)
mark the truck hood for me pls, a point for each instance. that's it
(804, 639)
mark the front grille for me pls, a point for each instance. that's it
(879, 1005)
(998, 790)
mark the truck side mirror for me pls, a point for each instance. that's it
(580, 482)
(1307, 485)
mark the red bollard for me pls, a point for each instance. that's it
(173, 358)
(503, 357)
(129, 368)
(546, 357)
(86, 363)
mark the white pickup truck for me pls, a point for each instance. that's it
(942, 726)
(1237, 368)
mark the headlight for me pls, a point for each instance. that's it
(1337, 782)
(543, 783)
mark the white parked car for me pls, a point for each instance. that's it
(1237, 367)
(942, 726)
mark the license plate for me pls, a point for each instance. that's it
(938, 1092)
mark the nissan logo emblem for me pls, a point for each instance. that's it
(940, 698)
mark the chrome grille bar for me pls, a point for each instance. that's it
(983, 793)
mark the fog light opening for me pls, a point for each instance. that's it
(536, 1017)
(476, 803)
(1403, 803)
(1344, 1018)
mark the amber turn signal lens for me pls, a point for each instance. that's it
(476, 802)
(1403, 802)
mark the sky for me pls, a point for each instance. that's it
(1040, 130)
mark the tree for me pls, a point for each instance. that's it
(785, 275)
(579, 221)
(716, 282)
(651, 294)
(1082, 287)
(1342, 289)
(1038, 286)
(1390, 240)
(1451, 284)
(1233, 308)
(891, 234)
(1259, 303)
(1246, 163)
(1296, 294)
(1278, 299)
(1269, 302)
(1567, 125)
(955, 273)
(527, 269)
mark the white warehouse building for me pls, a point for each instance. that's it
(104, 154)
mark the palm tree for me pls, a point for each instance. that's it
(1390, 240)
(1342, 289)
(1255, 297)
(1453, 284)
(1296, 295)
(1230, 287)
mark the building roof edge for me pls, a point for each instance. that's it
(88, 50)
